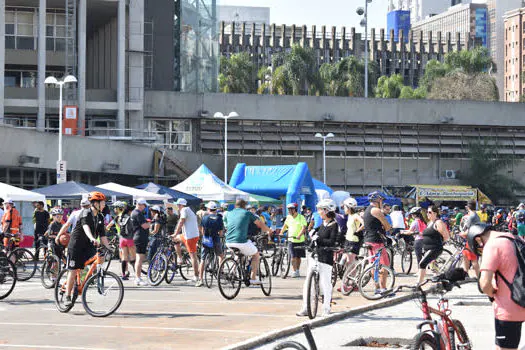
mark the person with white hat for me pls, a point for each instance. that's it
(73, 218)
(212, 228)
(189, 228)
(140, 238)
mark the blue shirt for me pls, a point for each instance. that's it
(212, 224)
(317, 219)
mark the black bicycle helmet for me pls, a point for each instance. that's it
(474, 232)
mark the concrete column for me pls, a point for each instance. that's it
(41, 117)
(121, 68)
(136, 65)
(2, 60)
(82, 19)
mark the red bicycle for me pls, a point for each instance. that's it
(443, 333)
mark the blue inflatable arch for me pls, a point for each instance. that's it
(291, 181)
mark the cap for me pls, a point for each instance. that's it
(8, 200)
(211, 205)
(292, 206)
(84, 202)
(224, 205)
(142, 201)
(248, 206)
(181, 201)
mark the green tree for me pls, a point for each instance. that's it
(347, 77)
(460, 86)
(476, 60)
(486, 164)
(389, 87)
(413, 94)
(237, 74)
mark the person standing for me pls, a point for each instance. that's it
(1, 208)
(433, 237)
(415, 232)
(171, 220)
(73, 218)
(157, 230)
(398, 222)
(140, 238)
(267, 216)
(40, 225)
(200, 213)
(188, 226)
(12, 222)
(212, 229)
(470, 219)
(483, 215)
(458, 216)
(296, 225)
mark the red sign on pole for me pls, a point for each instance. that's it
(69, 123)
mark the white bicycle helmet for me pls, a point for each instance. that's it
(56, 211)
(327, 204)
(350, 202)
(415, 210)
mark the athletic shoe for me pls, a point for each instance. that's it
(295, 274)
(302, 313)
(139, 282)
(380, 291)
(68, 302)
(199, 283)
(125, 277)
(255, 282)
(325, 313)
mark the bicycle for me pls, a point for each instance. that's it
(94, 286)
(235, 270)
(295, 345)
(7, 274)
(281, 260)
(22, 258)
(51, 267)
(372, 273)
(338, 270)
(211, 266)
(442, 333)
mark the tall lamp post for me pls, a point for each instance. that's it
(225, 117)
(60, 84)
(324, 137)
(364, 23)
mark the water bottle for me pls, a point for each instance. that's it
(342, 262)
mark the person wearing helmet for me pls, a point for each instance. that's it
(295, 224)
(498, 220)
(375, 227)
(483, 215)
(415, 232)
(212, 229)
(40, 225)
(52, 231)
(468, 220)
(84, 237)
(325, 237)
(73, 218)
(498, 268)
(157, 230)
(12, 222)
(122, 224)
(140, 227)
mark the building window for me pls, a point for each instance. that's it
(172, 134)
(20, 30)
(55, 32)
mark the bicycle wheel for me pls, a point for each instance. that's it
(369, 281)
(442, 262)
(157, 269)
(335, 273)
(171, 271)
(390, 253)
(406, 261)
(50, 270)
(186, 268)
(424, 341)
(229, 278)
(102, 294)
(7, 277)
(276, 262)
(265, 276)
(289, 345)
(463, 342)
(286, 262)
(25, 263)
(312, 295)
(350, 278)
(210, 269)
(60, 292)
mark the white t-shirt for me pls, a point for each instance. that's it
(397, 219)
(73, 218)
(190, 229)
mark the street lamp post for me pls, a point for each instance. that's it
(324, 137)
(364, 23)
(225, 117)
(60, 83)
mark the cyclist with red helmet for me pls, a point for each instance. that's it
(81, 248)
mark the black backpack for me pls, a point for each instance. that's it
(126, 227)
(517, 287)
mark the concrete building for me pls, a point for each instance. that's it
(513, 55)
(464, 18)
(420, 9)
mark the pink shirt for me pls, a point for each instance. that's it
(499, 255)
(418, 226)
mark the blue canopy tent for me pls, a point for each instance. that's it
(291, 181)
(155, 188)
(76, 190)
(319, 185)
(363, 201)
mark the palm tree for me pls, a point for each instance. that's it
(237, 74)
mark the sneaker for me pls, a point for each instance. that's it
(68, 302)
(255, 282)
(380, 291)
(125, 277)
(295, 274)
(139, 282)
(199, 283)
(302, 313)
(195, 280)
(325, 313)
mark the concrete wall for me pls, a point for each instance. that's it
(101, 70)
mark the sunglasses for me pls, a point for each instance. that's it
(430, 212)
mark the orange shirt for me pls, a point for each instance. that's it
(12, 219)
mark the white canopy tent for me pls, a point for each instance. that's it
(135, 192)
(19, 194)
(207, 186)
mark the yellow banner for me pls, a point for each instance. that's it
(446, 193)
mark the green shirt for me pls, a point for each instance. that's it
(295, 226)
(237, 228)
(459, 216)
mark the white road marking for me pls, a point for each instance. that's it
(48, 347)
(231, 302)
(63, 325)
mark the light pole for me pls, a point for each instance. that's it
(324, 137)
(60, 84)
(225, 117)
(364, 23)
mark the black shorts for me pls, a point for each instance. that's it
(217, 248)
(352, 247)
(428, 257)
(141, 243)
(77, 258)
(296, 250)
(508, 333)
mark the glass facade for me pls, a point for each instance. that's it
(481, 25)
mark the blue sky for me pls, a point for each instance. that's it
(327, 12)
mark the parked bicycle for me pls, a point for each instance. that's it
(7, 274)
(295, 345)
(281, 260)
(22, 258)
(52, 266)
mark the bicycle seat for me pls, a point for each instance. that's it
(235, 250)
(367, 245)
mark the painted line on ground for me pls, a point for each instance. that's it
(65, 325)
(230, 302)
(27, 346)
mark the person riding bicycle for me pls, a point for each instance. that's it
(375, 226)
(157, 229)
(499, 262)
(11, 223)
(51, 234)
(325, 238)
(83, 240)
(40, 225)
(212, 228)
(433, 237)
(470, 219)
(415, 232)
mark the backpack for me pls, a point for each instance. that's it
(126, 227)
(340, 238)
(517, 287)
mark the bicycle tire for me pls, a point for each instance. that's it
(364, 281)
(7, 277)
(94, 282)
(172, 268)
(210, 269)
(348, 284)
(276, 261)
(265, 276)
(390, 253)
(335, 273)
(462, 336)
(290, 345)
(312, 295)
(25, 263)
(407, 260)
(229, 275)
(440, 265)
(60, 291)
(286, 262)
(424, 341)
(157, 269)
(50, 270)
(186, 268)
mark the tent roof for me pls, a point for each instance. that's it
(207, 186)
(319, 185)
(173, 194)
(135, 192)
(263, 199)
(75, 190)
(19, 194)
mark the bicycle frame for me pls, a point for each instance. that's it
(95, 261)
